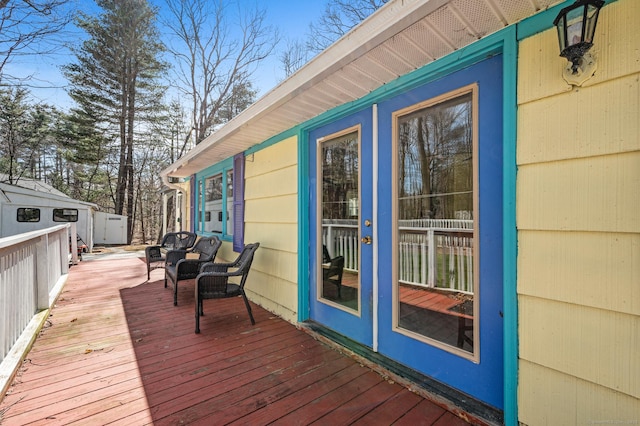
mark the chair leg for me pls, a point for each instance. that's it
(148, 271)
(198, 313)
(175, 293)
(246, 303)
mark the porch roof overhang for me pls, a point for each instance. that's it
(400, 37)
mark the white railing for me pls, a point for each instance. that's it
(33, 269)
(341, 239)
(436, 258)
(434, 253)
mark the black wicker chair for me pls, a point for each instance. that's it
(184, 265)
(333, 274)
(155, 255)
(213, 281)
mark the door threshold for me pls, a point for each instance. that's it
(459, 403)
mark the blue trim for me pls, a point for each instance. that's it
(303, 225)
(509, 230)
(200, 177)
(215, 168)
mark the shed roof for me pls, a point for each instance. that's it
(400, 37)
(34, 191)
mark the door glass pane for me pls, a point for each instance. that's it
(435, 223)
(339, 213)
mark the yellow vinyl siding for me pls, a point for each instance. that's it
(578, 204)
(600, 262)
(281, 182)
(594, 194)
(272, 210)
(596, 345)
(553, 398)
(595, 131)
(271, 216)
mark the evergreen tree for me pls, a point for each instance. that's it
(116, 78)
(13, 141)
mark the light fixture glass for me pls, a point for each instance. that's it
(576, 26)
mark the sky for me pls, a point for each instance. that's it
(291, 17)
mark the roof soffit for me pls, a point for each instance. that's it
(402, 36)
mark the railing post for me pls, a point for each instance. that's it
(64, 250)
(41, 286)
(330, 242)
(74, 243)
(431, 242)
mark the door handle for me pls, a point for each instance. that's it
(366, 240)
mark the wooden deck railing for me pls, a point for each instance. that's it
(435, 253)
(33, 268)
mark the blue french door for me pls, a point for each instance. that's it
(438, 222)
(341, 228)
(440, 284)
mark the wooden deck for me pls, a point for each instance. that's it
(116, 351)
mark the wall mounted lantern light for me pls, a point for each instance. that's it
(576, 27)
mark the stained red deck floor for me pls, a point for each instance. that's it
(115, 351)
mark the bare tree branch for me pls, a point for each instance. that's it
(27, 27)
(215, 55)
(338, 18)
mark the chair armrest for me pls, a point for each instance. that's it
(235, 273)
(188, 267)
(173, 256)
(220, 270)
(216, 267)
(152, 252)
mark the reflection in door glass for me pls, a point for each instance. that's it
(435, 228)
(339, 213)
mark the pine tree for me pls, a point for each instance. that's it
(117, 76)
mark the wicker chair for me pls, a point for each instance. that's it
(333, 274)
(184, 265)
(154, 255)
(213, 281)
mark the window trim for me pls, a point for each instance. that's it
(357, 130)
(229, 165)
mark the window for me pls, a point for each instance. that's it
(65, 215)
(218, 188)
(218, 213)
(435, 209)
(28, 214)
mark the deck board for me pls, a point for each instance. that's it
(116, 351)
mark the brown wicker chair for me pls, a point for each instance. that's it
(213, 281)
(180, 267)
(155, 255)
